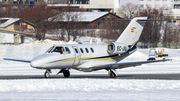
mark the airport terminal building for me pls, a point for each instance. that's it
(89, 5)
(113, 5)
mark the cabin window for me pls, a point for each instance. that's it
(81, 50)
(76, 50)
(87, 50)
(92, 50)
(59, 50)
(67, 50)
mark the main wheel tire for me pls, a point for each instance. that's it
(112, 74)
(46, 74)
(66, 73)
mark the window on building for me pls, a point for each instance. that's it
(149, 5)
(102, 19)
(141, 6)
(165, 6)
(156, 5)
(172, 6)
(70, 1)
(176, 6)
(177, 17)
(81, 1)
(95, 26)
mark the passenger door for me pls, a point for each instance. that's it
(77, 55)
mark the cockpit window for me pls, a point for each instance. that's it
(67, 50)
(59, 50)
(50, 49)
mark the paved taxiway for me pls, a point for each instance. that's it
(97, 76)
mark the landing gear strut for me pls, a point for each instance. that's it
(112, 73)
(65, 72)
(47, 73)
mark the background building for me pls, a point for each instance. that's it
(89, 5)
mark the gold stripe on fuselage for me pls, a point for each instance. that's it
(109, 58)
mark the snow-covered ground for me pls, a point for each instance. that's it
(86, 89)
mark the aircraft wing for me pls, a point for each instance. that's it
(128, 64)
(17, 60)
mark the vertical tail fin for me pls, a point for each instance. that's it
(131, 34)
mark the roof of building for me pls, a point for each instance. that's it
(5, 22)
(81, 16)
(8, 21)
(91, 16)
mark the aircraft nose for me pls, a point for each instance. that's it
(37, 63)
(34, 64)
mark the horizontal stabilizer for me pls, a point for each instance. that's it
(18, 60)
(128, 64)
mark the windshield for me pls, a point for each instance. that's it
(59, 50)
(49, 50)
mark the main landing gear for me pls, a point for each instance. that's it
(112, 73)
(65, 72)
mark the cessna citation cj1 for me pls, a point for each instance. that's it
(92, 57)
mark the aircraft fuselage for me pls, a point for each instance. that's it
(80, 56)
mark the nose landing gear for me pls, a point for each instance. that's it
(47, 73)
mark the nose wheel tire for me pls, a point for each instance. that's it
(66, 73)
(47, 73)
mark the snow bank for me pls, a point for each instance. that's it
(89, 89)
(47, 42)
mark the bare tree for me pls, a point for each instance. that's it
(167, 34)
(70, 24)
(152, 30)
(174, 38)
(39, 16)
(111, 29)
(129, 11)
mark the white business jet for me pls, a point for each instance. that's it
(92, 57)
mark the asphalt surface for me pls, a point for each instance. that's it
(96, 76)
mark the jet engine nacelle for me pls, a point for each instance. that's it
(116, 48)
